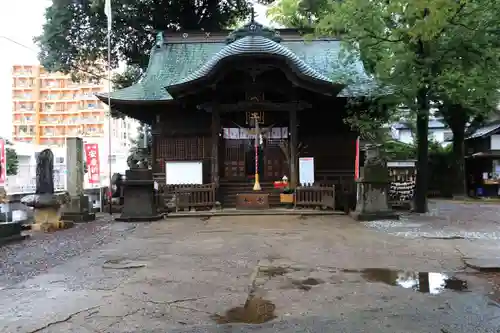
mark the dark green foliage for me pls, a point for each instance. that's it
(143, 129)
(74, 38)
(443, 51)
(12, 160)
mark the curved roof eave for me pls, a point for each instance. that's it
(254, 45)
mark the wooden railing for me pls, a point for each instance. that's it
(189, 196)
(315, 196)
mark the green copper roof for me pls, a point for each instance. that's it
(174, 63)
(255, 45)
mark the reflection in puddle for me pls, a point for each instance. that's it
(424, 282)
(255, 311)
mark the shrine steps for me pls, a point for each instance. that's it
(229, 190)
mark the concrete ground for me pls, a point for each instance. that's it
(293, 273)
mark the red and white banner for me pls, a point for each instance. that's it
(356, 162)
(93, 165)
(3, 163)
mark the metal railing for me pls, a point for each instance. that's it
(24, 182)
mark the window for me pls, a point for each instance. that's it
(447, 136)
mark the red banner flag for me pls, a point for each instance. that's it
(93, 165)
(356, 162)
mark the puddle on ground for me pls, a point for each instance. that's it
(255, 311)
(306, 284)
(424, 282)
(272, 271)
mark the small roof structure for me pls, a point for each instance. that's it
(485, 131)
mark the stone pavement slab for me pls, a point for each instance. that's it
(193, 271)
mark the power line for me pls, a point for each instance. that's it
(36, 52)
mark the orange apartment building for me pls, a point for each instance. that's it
(48, 107)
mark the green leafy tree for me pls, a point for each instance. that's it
(144, 130)
(74, 38)
(409, 48)
(11, 159)
(300, 14)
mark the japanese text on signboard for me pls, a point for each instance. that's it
(92, 157)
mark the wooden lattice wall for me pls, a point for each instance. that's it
(183, 148)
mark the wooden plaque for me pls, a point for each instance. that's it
(255, 200)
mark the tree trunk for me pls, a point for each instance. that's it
(459, 181)
(457, 121)
(422, 152)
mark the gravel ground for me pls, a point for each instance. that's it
(36, 255)
(446, 219)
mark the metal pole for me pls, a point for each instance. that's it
(109, 121)
(256, 186)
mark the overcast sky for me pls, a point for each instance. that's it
(20, 21)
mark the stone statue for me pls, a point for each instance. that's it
(45, 172)
(44, 201)
(138, 160)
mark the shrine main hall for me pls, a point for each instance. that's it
(208, 95)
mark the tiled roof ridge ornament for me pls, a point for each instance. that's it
(253, 28)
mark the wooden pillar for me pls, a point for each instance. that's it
(215, 145)
(294, 138)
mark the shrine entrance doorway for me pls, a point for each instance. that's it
(238, 147)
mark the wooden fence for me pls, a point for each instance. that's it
(187, 196)
(315, 196)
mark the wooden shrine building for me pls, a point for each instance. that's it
(201, 91)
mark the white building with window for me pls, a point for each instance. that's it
(438, 131)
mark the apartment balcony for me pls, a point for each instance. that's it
(58, 88)
(23, 98)
(24, 135)
(23, 111)
(23, 87)
(23, 74)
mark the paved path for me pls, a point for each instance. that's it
(43, 251)
(184, 275)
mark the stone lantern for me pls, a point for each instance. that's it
(372, 188)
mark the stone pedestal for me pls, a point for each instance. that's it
(372, 189)
(139, 199)
(47, 211)
(372, 202)
(77, 209)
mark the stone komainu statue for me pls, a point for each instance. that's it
(138, 160)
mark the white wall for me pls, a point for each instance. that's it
(495, 142)
(436, 134)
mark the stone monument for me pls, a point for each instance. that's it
(78, 208)
(44, 201)
(373, 189)
(138, 191)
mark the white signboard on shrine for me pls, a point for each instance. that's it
(184, 172)
(306, 170)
